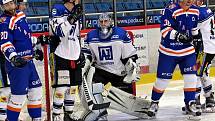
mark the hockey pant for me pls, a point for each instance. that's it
(166, 66)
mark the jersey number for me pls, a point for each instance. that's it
(4, 35)
(166, 23)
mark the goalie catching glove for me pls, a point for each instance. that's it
(75, 14)
(132, 71)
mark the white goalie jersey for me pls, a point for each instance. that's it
(207, 26)
(69, 47)
(107, 53)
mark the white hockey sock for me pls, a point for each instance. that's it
(58, 100)
(70, 98)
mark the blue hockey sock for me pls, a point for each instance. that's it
(35, 111)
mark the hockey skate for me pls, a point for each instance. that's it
(95, 116)
(57, 117)
(153, 109)
(209, 106)
(72, 116)
(37, 119)
(192, 111)
(198, 106)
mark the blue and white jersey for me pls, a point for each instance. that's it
(107, 53)
(207, 26)
(175, 19)
(69, 47)
(15, 36)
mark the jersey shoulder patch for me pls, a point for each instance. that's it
(2, 19)
(171, 6)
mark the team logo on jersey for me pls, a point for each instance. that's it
(105, 53)
(115, 37)
(209, 11)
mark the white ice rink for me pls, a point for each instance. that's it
(170, 103)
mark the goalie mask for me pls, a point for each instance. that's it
(105, 25)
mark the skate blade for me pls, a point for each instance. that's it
(194, 118)
(151, 115)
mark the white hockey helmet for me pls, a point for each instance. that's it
(105, 25)
(5, 1)
(21, 1)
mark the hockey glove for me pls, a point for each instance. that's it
(38, 54)
(183, 38)
(18, 61)
(75, 14)
(43, 39)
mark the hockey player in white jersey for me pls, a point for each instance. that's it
(113, 57)
(205, 49)
(66, 58)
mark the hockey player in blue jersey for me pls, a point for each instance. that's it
(66, 58)
(16, 45)
(178, 29)
(205, 49)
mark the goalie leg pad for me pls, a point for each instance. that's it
(125, 102)
(34, 102)
(92, 94)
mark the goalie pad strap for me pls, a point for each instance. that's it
(101, 106)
